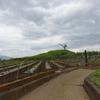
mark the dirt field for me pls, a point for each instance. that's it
(20, 74)
(64, 87)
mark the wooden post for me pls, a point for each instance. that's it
(86, 57)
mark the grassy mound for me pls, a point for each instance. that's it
(49, 55)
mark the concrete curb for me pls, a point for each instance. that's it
(69, 69)
(18, 92)
(15, 94)
(23, 81)
(92, 90)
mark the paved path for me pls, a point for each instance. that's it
(64, 87)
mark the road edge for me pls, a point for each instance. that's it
(92, 90)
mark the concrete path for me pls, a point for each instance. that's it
(64, 87)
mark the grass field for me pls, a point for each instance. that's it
(49, 55)
(11, 63)
(95, 77)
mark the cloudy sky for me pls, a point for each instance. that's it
(30, 27)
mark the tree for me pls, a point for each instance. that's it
(64, 46)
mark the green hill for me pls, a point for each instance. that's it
(49, 55)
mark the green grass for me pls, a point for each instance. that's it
(13, 63)
(5, 63)
(95, 77)
(59, 55)
(93, 60)
(49, 55)
(90, 52)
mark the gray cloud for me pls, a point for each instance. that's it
(46, 23)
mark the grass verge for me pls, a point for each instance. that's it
(95, 77)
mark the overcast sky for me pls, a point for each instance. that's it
(30, 27)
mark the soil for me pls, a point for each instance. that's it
(92, 67)
(53, 66)
(20, 74)
(13, 75)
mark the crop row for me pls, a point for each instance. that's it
(19, 72)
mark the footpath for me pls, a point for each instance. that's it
(67, 86)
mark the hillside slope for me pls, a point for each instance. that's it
(49, 55)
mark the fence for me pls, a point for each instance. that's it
(81, 59)
(15, 70)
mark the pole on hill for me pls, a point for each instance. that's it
(86, 61)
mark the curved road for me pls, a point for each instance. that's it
(64, 87)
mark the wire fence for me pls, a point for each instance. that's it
(12, 70)
(83, 59)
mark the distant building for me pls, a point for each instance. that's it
(0, 59)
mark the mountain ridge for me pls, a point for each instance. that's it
(4, 57)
